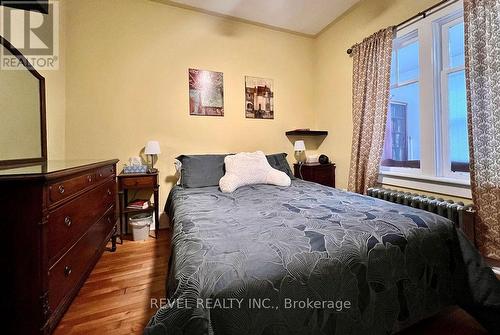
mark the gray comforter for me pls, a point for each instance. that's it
(309, 259)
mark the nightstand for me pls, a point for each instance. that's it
(323, 174)
(136, 181)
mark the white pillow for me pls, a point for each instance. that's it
(178, 169)
(248, 168)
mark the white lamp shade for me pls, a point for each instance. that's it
(299, 146)
(152, 148)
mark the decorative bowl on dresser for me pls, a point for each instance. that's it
(57, 218)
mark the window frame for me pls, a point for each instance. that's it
(442, 71)
(404, 41)
(433, 67)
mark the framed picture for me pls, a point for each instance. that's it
(259, 96)
(206, 93)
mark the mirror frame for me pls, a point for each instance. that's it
(11, 163)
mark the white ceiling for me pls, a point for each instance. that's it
(302, 16)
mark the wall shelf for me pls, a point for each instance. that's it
(307, 133)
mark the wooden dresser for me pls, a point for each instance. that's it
(56, 221)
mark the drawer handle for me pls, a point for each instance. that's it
(67, 270)
(89, 178)
(61, 189)
(109, 219)
(109, 191)
(67, 221)
(100, 174)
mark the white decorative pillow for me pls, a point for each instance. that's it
(248, 168)
(178, 171)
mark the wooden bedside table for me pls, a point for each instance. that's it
(323, 174)
(128, 181)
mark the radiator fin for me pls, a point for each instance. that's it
(461, 215)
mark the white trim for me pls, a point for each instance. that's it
(405, 83)
(427, 124)
(448, 186)
(442, 71)
(395, 170)
(445, 180)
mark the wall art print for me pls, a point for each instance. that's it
(206, 93)
(259, 96)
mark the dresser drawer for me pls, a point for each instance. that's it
(105, 172)
(69, 270)
(319, 173)
(138, 182)
(323, 179)
(63, 189)
(69, 222)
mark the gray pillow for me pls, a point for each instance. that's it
(279, 162)
(201, 170)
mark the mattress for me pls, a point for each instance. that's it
(310, 259)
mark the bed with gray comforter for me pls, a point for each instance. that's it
(310, 259)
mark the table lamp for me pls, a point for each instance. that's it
(300, 151)
(152, 149)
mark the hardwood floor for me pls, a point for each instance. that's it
(116, 297)
(453, 320)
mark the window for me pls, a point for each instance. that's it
(426, 133)
(402, 141)
(454, 111)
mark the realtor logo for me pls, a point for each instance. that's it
(34, 34)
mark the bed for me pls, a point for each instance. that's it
(310, 259)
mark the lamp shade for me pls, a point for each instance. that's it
(299, 146)
(152, 148)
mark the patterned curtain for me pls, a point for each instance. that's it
(371, 88)
(482, 69)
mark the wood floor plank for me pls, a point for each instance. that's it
(115, 299)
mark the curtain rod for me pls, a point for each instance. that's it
(421, 15)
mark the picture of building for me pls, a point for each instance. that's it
(259, 98)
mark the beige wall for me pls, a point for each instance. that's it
(127, 82)
(333, 70)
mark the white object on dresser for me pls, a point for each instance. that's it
(310, 159)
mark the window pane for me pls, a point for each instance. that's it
(402, 136)
(457, 122)
(456, 45)
(408, 62)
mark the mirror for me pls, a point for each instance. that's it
(22, 113)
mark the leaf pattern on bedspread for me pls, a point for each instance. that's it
(392, 263)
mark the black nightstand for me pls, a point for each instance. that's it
(127, 181)
(323, 174)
